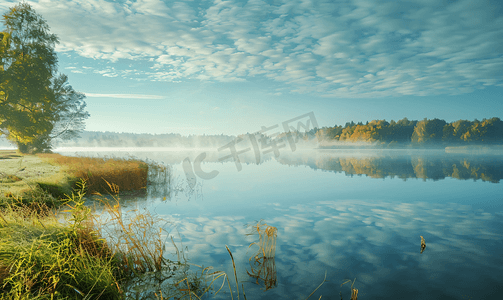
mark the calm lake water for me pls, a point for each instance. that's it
(347, 213)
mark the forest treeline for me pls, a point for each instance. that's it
(424, 132)
(427, 132)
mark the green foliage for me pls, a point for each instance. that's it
(428, 131)
(36, 106)
(42, 258)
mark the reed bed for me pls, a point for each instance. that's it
(128, 173)
(136, 236)
(140, 245)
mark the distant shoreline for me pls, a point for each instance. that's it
(480, 147)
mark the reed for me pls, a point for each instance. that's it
(354, 292)
(90, 257)
(235, 273)
(267, 239)
(262, 264)
(136, 238)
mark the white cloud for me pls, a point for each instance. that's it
(346, 49)
(128, 96)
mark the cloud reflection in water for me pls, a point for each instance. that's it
(376, 242)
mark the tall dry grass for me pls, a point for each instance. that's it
(136, 236)
(140, 245)
(129, 174)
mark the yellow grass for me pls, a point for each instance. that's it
(267, 239)
(128, 174)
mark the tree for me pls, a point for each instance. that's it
(428, 131)
(36, 105)
(493, 130)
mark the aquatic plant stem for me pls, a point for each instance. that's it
(324, 279)
(234, 266)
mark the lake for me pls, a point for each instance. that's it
(344, 213)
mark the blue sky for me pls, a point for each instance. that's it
(194, 67)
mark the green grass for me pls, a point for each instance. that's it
(44, 258)
(21, 177)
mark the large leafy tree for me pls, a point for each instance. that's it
(37, 105)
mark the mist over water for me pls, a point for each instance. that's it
(353, 213)
(435, 164)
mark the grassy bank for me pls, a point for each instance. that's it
(42, 257)
(49, 177)
(47, 253)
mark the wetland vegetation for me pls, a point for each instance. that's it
(53, 245)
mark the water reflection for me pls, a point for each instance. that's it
(375, 163)
(435, 165)
(375, 242)
(342, 225)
